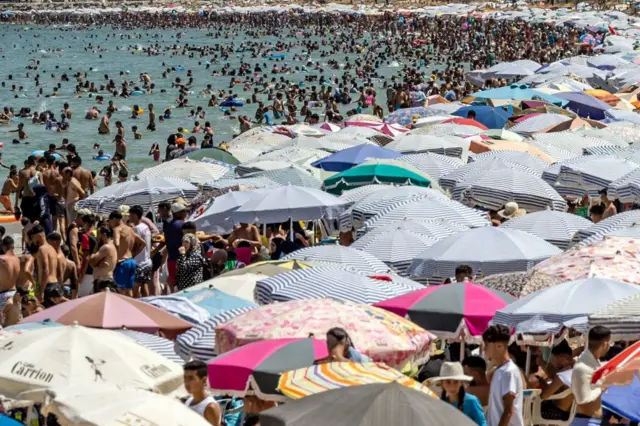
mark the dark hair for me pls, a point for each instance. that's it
(597, 209)
(475, 362)
(603, 191)
(599, 334)
(105, 230)
(198, 366)
(8, 242)
(88, 219)
(251, 419)
(137, 210)
(115, 215)
(244, 244)
(562, 348)
(54, 236)
(2, 231)
(189, 225)
(464, 269)
(165, 205)
(496, 334)
(341, 336)
(461, 393)
(37, 229)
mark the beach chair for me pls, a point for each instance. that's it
(536, 412)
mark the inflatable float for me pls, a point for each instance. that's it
(104, 157)
(179, 68)
(137, 93)
(40, 153)
(277, 56)
(231, 103)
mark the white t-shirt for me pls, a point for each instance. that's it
(506, 379)
(143, 258)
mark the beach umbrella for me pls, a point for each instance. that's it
(350, 258)
(304, 129)
(360, 131)
(585, 105)
(379, 334)
(355, 195)
(621, 369)
(488, 250)
(493, 189)
(210, 300)
(196, 172)
(536, 164)
(480, 146)
(294, 154)
(538, 123)
(376, 171)
(373, 404)
(448, 129)
(200, 341)
(569, 302)
(518, 92)
(333, 142)
(307, 381)
(400, 242)
(574, 124)
(367, 118)
(434, 165)
(503, 135)
(291, 175)
(486, 164)
(614, 257)
(222, 186)
(520, 284)
(555, 227)
(146, 192)
(460, 310)
(627, 187)
(405, 116)
(267, 268)
(74, 356)
(631, 232)
(490, 117)
(8, 421)
(391, 129)
(347, 158)
(215, 218)
(328, 127)
(105, 405)
(451, 146)
(262, 165)
(240, 286)
(607, 62)
(255, 369)
(620, 399)
(466, 122)
(157, 344)
(244, 154)
(214, 154)
(337, 284)
(594, 172)
(261, 141)
(178, 306)
(113, 311)
(288, 203)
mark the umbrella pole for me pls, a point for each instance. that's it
(291, 229)
(527, 368)
(461, 350)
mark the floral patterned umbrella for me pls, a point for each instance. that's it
(382, 335)
(520, 284)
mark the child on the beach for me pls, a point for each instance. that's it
(155, 151)
(136, 135)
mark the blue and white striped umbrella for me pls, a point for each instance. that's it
(604, 150)
(434, 165)
(522, 158)
(626, 188)
(428, 208)
(416, 143)
(538, 123)
(606, 227)
(478, 168)
(350, 258)
(292, 175)
(157, 344)
(352, 196)
(317, 283)
(595, 172)
(196, 172)
(179, 306)
(571, 301)
(573, 142)
(488, 250)
(621, 317)
(400, 242)
(550, 175)
(493, 189)
(200, 341)
(555, 152)
(557, 228)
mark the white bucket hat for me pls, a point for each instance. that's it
(451, 371)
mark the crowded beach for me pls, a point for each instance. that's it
(322, 214)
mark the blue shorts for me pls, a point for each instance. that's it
(586, 421)
(125, 273)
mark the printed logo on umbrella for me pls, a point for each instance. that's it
(155, 371)
(29, 371)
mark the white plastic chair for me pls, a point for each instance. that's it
(527, 404)
(536, 412)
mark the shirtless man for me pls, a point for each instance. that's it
(92, 114)
(67, 110)
(64, 274)
(128, 244)
(72, 194)
(152, 118)
(401, 98)
(9, 271)
(52, 180)
(47, 260)
(121, 146)
(103, 128)
(83, 175)
(25, 182)
(10, 186)
(246, 232)
(104, 261)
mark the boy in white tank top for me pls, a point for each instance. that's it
(195, 382)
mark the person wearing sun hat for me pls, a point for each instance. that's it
(511, 210)
(453, 382)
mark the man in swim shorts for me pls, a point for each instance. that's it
(128, 245)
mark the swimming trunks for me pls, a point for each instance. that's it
(51, 290)
(5, 296)
(125, 273)
(143, 274)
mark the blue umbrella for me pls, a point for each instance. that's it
(621, 400)
(33, 326)
(347, 158)
(493, 118)
(585, 105)
(214, 301)
(518, 92)
(8, 421)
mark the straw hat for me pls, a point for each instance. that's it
(451, 371)
(511, 210)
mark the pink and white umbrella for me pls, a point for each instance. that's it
(392, 130)
(328, 127)
(621, 369)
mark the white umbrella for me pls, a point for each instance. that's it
(197, 172)
(77, 356)
(557, 228)
(413, 143)
(241, 286)
(109, 405)
(216, 217)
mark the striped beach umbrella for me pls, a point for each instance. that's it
(460, 310)
(598, 231)
(522, 158)
(354, 195)
(292, 175)
(488, 250)
(493, 189)
(200, 341)
(555, 227)
(350, 258)
(304, 382)
(626, 188)
(412, 143)
(400, 242)
(595, 172)
(538, 123)
(316, 283)
(621, 317)
(627, 232)
(196, 172)
(479, 168)
(255, 369)
(621, 369)
(434, 165)
(157, 344)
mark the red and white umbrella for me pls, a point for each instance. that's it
(621, 369)
(392, 130)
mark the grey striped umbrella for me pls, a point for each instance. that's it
(329, 143)
(550, 175)
(538, 123)
(415, 143)
(493, 189)
(157, 344)
(434, 165)
(605, 227)
(196, 172)
(354, 195)
(595, 172)
(488, 250)
(557, 228)
(603, 150)
(350, 258)
(450, 180)
(522, 158)
(292, 175)
(200, 341)
(319, 282)
(555, 152)
(574, 142)
(428, 208)
(626, 188)
(400, 242)
(621, 317)
(239, 184)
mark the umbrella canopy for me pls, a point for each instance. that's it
(105, 405)
(486, 164)
(451, 146)
(82, 356)
(620, 400)
(354, 195)
(347, 158)
(255, 369)
(405, 116)
(466, 122)
(518, 92)
(216, 217)
(349, 258)
(196, 172)
(487, 250)
(209, 300)
(381, 335)
(365, 118)
(585, 105)
(520, 284)
(609, 226)
(622, 318)
(112, 311)
(337, 284)
(568, 302)
(267, 268)
(287, 203)
(146, 192)
(374, 405)
(614, 257)
(621, 369)
(434, 165)
(214, 154)
(333, 142)
(490, 117)
(627, 187)
(240, 286)
(538, 123)
(460, 310)
(376, 171)
(290, 175)
(533, 163)
(503, 135)
(555, 227)
(304, 382)
(8, 421)
(157, 344)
